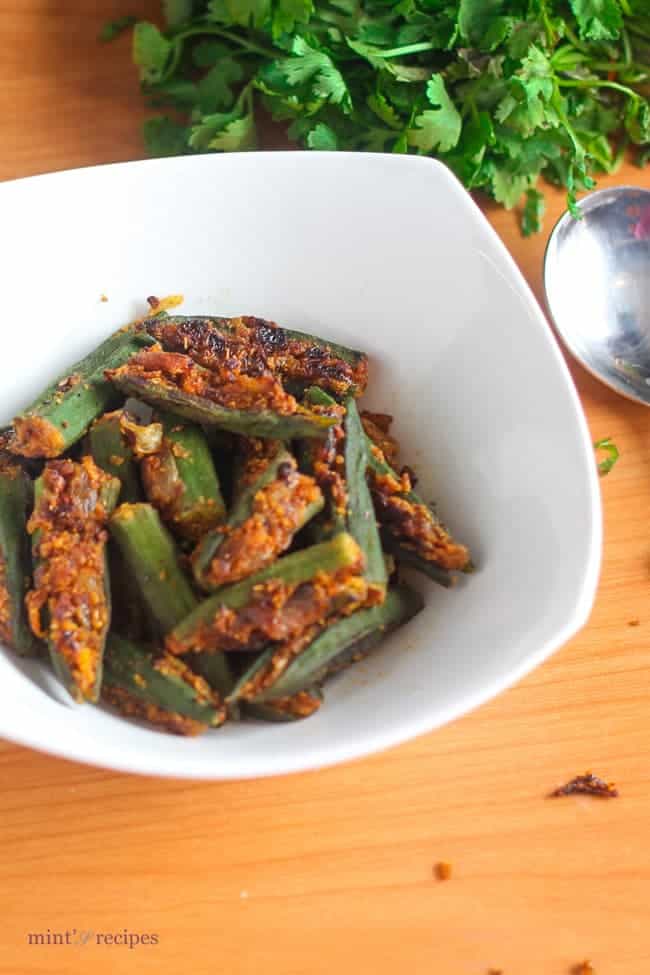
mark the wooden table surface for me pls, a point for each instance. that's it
(332, 871)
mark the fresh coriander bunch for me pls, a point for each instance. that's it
(503, 91)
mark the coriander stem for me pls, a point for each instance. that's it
(597, 83)
(396, 52)
(210, 30)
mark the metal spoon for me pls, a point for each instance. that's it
(597, 282)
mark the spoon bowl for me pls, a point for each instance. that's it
(597, 283)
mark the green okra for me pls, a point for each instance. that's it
(161, 681)
(180, 480)
(293, 708)
(361, 521)
(354, 511)
(256, 514)
(293, 570)
(214, 668)
(200, 409)
(297, 357)
(404, 549)
(16, 494)
(344, 641)
(150, 554)
(70, 604)
(114, 455)
(61, 415)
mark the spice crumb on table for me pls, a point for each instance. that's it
(443, 870)
(586, 785)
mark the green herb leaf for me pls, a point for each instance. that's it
(246, 13)
(474, 18)
(610, 448)
(151, 51)
(598, 20)
(531, 221)
(290, 14)
(164, 137)
(440, 127)
(323, 138)
(113, 28)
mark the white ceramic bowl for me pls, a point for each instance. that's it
(387, 253)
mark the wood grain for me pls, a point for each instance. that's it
(333, 871)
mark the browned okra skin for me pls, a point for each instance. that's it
(69, 604)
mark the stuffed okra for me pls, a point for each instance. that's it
(64, 411)
(160, 688)
(69, 605)
(255, 344)
(180, 480)
(278, 603)
(274, 501)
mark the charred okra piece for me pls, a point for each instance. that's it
(159, 688)
(274, 502)
(16, 493)
(64, 411)
(180, 480)
(254, 405)
(300, 705)
(343, 642)
(114, 455)
(339, 465)
(278, 603)
(297, 358)
(410, 529)
(69, 605)
(150, 554)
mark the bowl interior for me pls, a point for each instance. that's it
(387, 254)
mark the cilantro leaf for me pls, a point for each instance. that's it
(113, 28)
(164, 137)
(475, 16)
(440, 127)
(314, 68)
(215, 88)
(246, 13)
(151, 51)
(225, 132)
(613, 454)
(598, 20)
(289, 14)
(531, 221)
(322, 137)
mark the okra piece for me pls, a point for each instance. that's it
(277, 603)
(256, 406)
(159, 688)
(114, 455)
(180, 480)
(345, 641)
(410, 529)
(214, 668)
(150, 554)
(69, 604)
(297, 358)
(339, 465)
(294, 708)
(16, 494)
(63, 412)
(274, 503)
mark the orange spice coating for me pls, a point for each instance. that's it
(227, 386)
(255, 345)
(134, 707)
(280, 660)
(377, 427)
(328, 463)
(35, 436)
(277, 612)
(277, 513)
(412, 523)
(69, 581)
(300, 705)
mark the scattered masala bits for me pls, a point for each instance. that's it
(103, 297)
(587, 785)
(443, 870)
(495, 971)
(634, 622)
(583, 968)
